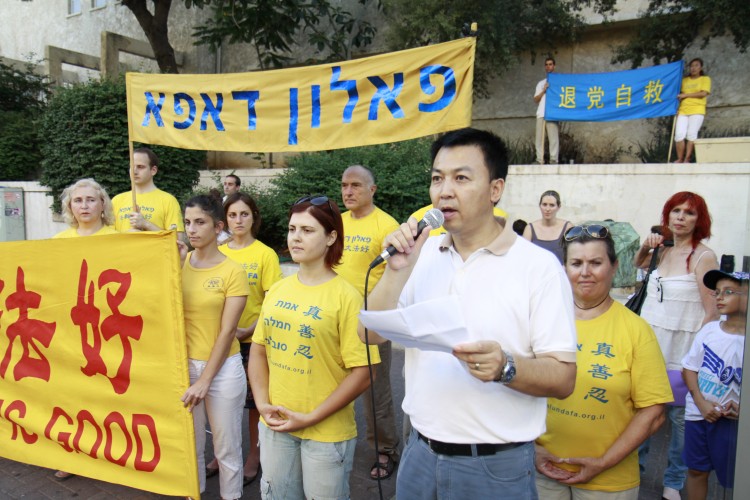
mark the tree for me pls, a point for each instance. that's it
(156, 29)
(507, 28)
(270, 25)
(669, 27)
(272, 28)
(23, 95)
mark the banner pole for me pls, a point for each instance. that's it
(671, 140)
(132, 175)
(128, 96)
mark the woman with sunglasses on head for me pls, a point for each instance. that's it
(261, 265)
(677, 305)
(214, 292)
(307, 364)
(590, 447)
(547, 232)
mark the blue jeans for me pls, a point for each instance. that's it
(425, 475)
(676, 471)
(295, 469)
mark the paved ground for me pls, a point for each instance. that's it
(28, 482)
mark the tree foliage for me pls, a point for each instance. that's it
(401, 173)
(272, 27)
(670, 27)
(85, 134)
(23, 95)
(507, 28)
(22, 89)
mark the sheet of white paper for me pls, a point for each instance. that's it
(433, 325)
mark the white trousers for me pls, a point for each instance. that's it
(222, 408)
(687, 127)
(553, 135)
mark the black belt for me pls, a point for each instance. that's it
(465, 450)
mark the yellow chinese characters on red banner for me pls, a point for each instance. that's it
(374, 100)
(93, 360)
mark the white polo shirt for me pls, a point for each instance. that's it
(511, 291)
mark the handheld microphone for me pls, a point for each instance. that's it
(433, 218)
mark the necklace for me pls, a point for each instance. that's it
(592, 307)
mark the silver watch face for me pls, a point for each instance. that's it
(509, 370)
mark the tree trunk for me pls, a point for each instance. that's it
(156, 30)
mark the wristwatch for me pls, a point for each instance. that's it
(509, 370)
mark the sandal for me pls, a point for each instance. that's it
(61, 475)
(383, 470)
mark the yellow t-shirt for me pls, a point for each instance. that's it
(363, 242)
(620, 369)
(157, 207)
(310, 336)
(419, 215)
(261, 266)
(72, 232)
(204, 292)
(694, 105)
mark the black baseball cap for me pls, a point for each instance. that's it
(712, 277)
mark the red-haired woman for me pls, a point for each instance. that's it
(307, 364)
(677, 305)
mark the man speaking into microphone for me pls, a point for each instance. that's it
(476, 412)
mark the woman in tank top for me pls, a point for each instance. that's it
(547, 232)
(677, 305)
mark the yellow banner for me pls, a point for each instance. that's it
(380, 99)
(93, 360)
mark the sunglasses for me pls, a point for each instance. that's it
(316, 200)
(596, 231)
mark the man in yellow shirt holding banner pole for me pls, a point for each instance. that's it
(155, 209)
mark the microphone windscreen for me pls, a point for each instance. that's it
(434, 217)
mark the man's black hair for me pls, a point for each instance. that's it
(493, 148)
(236, 179)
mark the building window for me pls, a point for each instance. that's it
(98, 4)
(74, 7)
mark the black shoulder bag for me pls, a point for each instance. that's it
(635, 303)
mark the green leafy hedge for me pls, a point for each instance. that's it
(401, 174)
(19, 146)
(23, 95)
(84, 133)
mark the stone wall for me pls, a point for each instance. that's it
(636, 193)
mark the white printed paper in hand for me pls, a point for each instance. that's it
(433, 325)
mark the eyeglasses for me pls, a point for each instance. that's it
(596, 231)
(315, 199)
(726, 293)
